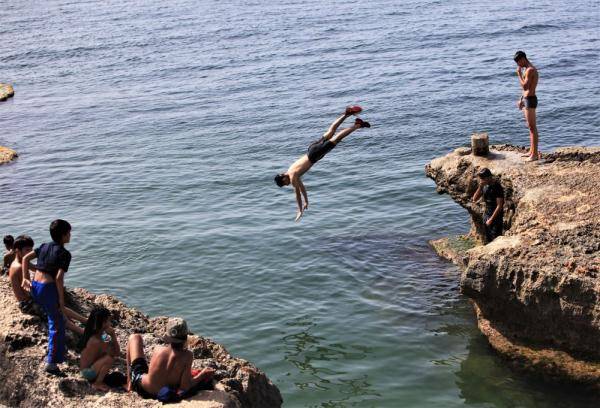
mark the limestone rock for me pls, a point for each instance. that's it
(23, 340)
(537, 287)
(6, 91)
(7, 154)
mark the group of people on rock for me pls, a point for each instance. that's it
(39, 289)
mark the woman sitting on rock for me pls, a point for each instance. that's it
(100, 346)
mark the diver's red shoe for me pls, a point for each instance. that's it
(353, 110)
(362, 123)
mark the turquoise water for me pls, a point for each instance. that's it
(156, 130)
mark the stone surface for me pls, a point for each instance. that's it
(6, 91)
(536, 289)
(480, 144)
(23, 340)
(7, 154)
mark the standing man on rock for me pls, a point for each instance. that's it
(528, 79)
(493, 195)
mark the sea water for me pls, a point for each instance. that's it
(155, 128)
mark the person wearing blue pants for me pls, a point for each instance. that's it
(47, 288)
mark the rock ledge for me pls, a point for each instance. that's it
(536, 290)
(23, 383)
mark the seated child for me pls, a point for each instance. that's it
(100, 347)
(169, 376)
(23, 245)
(9, 255)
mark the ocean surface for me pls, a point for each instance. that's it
(156, 128)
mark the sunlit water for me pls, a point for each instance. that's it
(155, 128)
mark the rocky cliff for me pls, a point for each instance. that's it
(24, 383)
(536, 289)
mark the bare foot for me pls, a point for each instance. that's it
(100, 387)
(532, 159)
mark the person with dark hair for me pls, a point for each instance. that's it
(169, 376)
(23, 245)
(47, 288)
(100, 347)
(528, 79)
(9, 255)
(316, 151)
(493, 195)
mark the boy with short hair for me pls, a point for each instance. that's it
(22, 246)
(9, 255)
(47, 288)
(169, 376)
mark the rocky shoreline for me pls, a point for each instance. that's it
(23, 382)
(536, 289)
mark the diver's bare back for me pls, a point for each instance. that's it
(166, 368)
(299, 167)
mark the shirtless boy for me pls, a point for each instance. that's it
(316, 151)
(528, 101)
(22, 246)
(170, 366)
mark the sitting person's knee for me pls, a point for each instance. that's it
(135, 337)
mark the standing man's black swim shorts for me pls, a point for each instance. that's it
(530, 102)
(317, 150)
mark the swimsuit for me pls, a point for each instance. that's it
(530, 102)
(89, 374)
(318, 149)
(139, 367)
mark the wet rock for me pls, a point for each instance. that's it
(7, 155)
(23, 340)
(536, 288)
(6, 91)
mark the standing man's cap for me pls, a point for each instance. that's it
(177, 330)
(519, 55)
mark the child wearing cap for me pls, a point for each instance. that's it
(169, 376)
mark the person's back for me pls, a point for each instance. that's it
(166, 368)
(169, 375)
(15, 274)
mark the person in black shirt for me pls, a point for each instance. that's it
(493, 195)
(47, 288)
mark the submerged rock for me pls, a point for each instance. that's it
(6, 91)
(7, 154)
(536, 289)
(23, 382)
